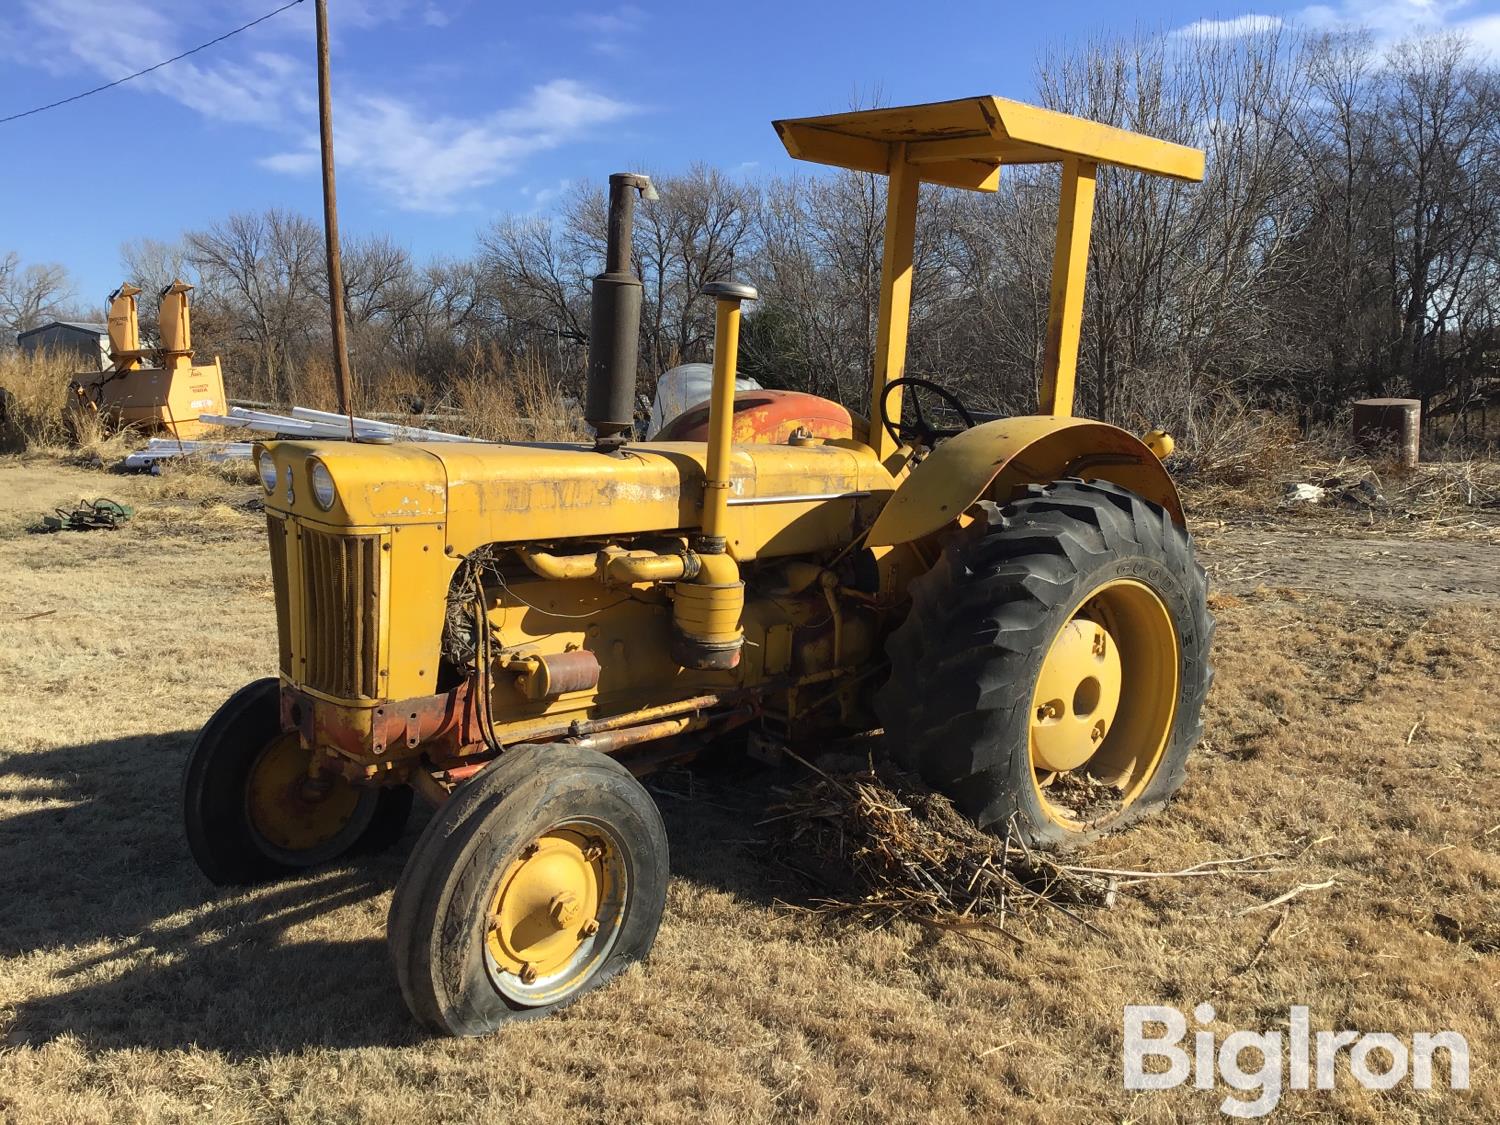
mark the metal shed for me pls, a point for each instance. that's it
(88, 340)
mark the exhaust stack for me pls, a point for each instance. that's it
(615, 322)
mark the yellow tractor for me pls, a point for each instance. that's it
(516, 631)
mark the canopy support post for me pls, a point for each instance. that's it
(1070, 260)
(895, 296)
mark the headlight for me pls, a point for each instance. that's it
(267, 466)
(322, 484)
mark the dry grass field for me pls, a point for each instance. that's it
(1352, 731)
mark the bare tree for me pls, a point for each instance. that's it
(1345, 241)
(1442, 135)
(261, 273)
(30, 295)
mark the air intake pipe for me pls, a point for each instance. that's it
(615, 322)
(706, 610)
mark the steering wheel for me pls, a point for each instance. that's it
(922, 430)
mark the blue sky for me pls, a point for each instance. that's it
(451, 112)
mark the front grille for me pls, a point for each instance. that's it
(277, 534)
(341, 613)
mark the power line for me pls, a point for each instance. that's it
(149, 69)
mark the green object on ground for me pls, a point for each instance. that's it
(89, 515)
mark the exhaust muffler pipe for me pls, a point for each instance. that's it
(615, 321)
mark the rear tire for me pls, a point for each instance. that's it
(232, 844)
(503, 881)
(1069, 575)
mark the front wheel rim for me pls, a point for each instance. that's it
(556, 913)
(296, 818)
(1104, 705)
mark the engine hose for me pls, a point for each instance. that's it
(482, 675)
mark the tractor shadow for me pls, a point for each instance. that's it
(112, 935)
(714, 813)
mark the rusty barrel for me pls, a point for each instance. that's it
(1390, 427)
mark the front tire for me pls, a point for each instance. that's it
(249, 811)
(539, 880)
(1050, 675)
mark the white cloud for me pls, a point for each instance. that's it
(434, 16)
(427, 163)
(1387, 20)
(366, 13)
(423, 160)
(1390, 20)
(1485, 31)
(624, 20)
(1230, 28)
(290, 163)
(613, 32)
(60, 34)
(543, 197)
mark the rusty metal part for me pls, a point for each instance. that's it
(544, 732)
(663, 753)
(632, 736)
(466, 771)
(546, 676)
(647, 714)
(608, 742)
(447, 720)
(1390, 427)
(413, 722)
(446, 726)
(771, 417)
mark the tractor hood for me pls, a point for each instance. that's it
(526, 493)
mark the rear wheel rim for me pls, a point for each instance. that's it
(1104, 705)
(556, 912)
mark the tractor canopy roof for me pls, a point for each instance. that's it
(963, 143)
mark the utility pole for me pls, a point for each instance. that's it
(344, 385)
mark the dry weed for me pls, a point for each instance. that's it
(883, 846)
(33, 399)
(1229, 442)
(1236, 461)
(489, 397)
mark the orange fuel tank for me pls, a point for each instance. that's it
(764, 417)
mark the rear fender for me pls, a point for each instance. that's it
(994, 459)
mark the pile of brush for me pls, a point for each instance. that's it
(882, 846)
